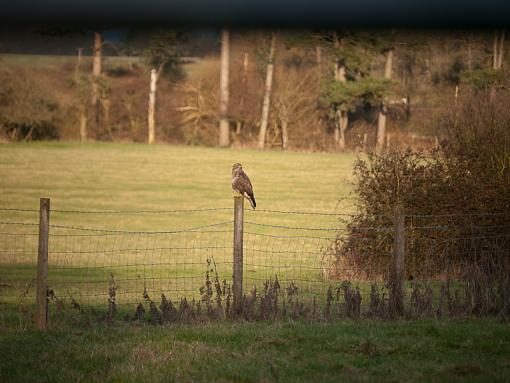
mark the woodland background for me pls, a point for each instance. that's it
(289, 89)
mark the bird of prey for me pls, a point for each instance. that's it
(241, 184)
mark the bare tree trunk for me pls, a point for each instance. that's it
(224, 93)
(389, 64)
(344, 121)
(96, 74)
(336, 133)
(151, 114)
(501, 48)
(318, 54)
(336, 45)
(408, 107)
(106, 108)
(82, 104)
(340, 73)
(341, 128)
(381, 120)
(83, 123)
(342, 116)
(470, 56)
(245, 80)
(495, 47)
(78, 62)
(285, 135)
(381, 128)
(243, 93)
(239, 125)
(497, 56)
(267, 93)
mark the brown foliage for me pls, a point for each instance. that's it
(456, 203)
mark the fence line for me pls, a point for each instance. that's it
(300, 212)
(203, 210)
(19, 210)
(19, 223)
(83, 266)
(286, 212)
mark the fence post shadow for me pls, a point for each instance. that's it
(41, 302)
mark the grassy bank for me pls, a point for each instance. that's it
(422, 351)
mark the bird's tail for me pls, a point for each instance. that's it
(251, 198)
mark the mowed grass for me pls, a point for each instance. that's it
(461, 350)
(134, 177)
(162, 177)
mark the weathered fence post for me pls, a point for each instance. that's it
(238, 253)
(398, 267)
(41, 303)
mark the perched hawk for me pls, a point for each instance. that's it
(241, 184)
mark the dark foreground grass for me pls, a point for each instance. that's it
(475, 350)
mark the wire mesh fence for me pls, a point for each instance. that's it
(82, 260)
(307, 258)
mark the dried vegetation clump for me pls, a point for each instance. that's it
(272, 302)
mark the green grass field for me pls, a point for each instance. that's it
(162, 177)
(140, 177)
(130, 177)
(461, 350)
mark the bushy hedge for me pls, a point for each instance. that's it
(28, 109)
(456, 200)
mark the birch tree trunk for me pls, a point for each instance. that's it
(285, 135)
(497, 56)
(343, 121)
(245, 75)
(381, 120)
(342, 116)
(82, 107)
(495, 46)
(242, 101)
(501, 48)
(267, 93)
(284, 119)
(83, 123)
(151, 113)
(336, 45)
(224, 93)
(96, 75)
(105, 102)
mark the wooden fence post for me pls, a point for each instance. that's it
(41, 303)
(238, 253)
(398, 269)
